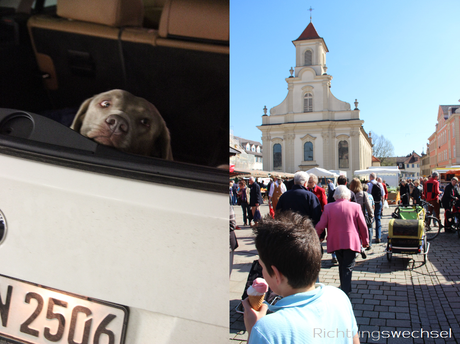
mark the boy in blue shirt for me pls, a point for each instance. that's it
(290, 255)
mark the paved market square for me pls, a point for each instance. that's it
(403, 297)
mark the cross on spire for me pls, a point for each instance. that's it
(310, 9)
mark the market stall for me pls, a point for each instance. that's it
(323, 175)
(390, 174)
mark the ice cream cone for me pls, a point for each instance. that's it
(256, 301)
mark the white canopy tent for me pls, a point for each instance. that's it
(390, 174)
(322, 173)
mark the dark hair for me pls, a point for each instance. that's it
(290, 243)
(342, 180)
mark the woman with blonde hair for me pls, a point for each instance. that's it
(366, 207)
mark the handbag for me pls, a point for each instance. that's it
(257, 216)
(367, 217)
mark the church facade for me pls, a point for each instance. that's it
(312, 128)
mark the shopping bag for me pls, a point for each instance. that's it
(257, 216)
(272, 212)
(385, 204)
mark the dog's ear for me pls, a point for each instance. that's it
(162, 145)
(79, 117)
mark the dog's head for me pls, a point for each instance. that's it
(129, 123)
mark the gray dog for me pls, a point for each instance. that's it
(131, 124)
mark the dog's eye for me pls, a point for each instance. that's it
(105, 104)
(146, 122)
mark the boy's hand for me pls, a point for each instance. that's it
(251, 316)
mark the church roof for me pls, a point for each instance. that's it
(310, 33)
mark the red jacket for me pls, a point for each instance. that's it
(321, 194)
(431, 190)
(386, 190)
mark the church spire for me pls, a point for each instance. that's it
(308, 33)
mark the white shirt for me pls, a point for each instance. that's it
(272, 188)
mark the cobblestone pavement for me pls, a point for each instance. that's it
(388, 297)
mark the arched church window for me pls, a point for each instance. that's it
(308, 151)
(277, 155)
(308, 58)
(308, 102)
(343, 154)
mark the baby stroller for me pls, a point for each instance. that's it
(406, 232)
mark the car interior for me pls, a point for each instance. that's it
(173, 53)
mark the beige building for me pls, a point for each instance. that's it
(425, 169)
(249, 155)
(311, 127)
(412, 166)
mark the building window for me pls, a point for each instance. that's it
(308, 102)
(308, 58)
(308, 151)
(343, 155)
(277, 156)
(413, 166)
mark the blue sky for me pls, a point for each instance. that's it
(400, 59)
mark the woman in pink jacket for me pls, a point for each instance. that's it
(346, 232)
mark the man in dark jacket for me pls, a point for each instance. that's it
(300, 200)
(255, 197)
(450, 195)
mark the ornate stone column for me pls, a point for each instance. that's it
(290, 97)
(327, 156)
(266, 154)
(290, 151)
(354, 150)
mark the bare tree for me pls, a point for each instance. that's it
(383, 149)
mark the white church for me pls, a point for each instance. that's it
(312, 128)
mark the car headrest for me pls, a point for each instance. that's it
(114, 13)
(195, 19)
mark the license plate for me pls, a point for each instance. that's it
(40, 315)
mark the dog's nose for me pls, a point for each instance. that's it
(117, 124)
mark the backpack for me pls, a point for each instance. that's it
(376, 192)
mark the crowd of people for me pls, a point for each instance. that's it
(304, 214)
(430, 190)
